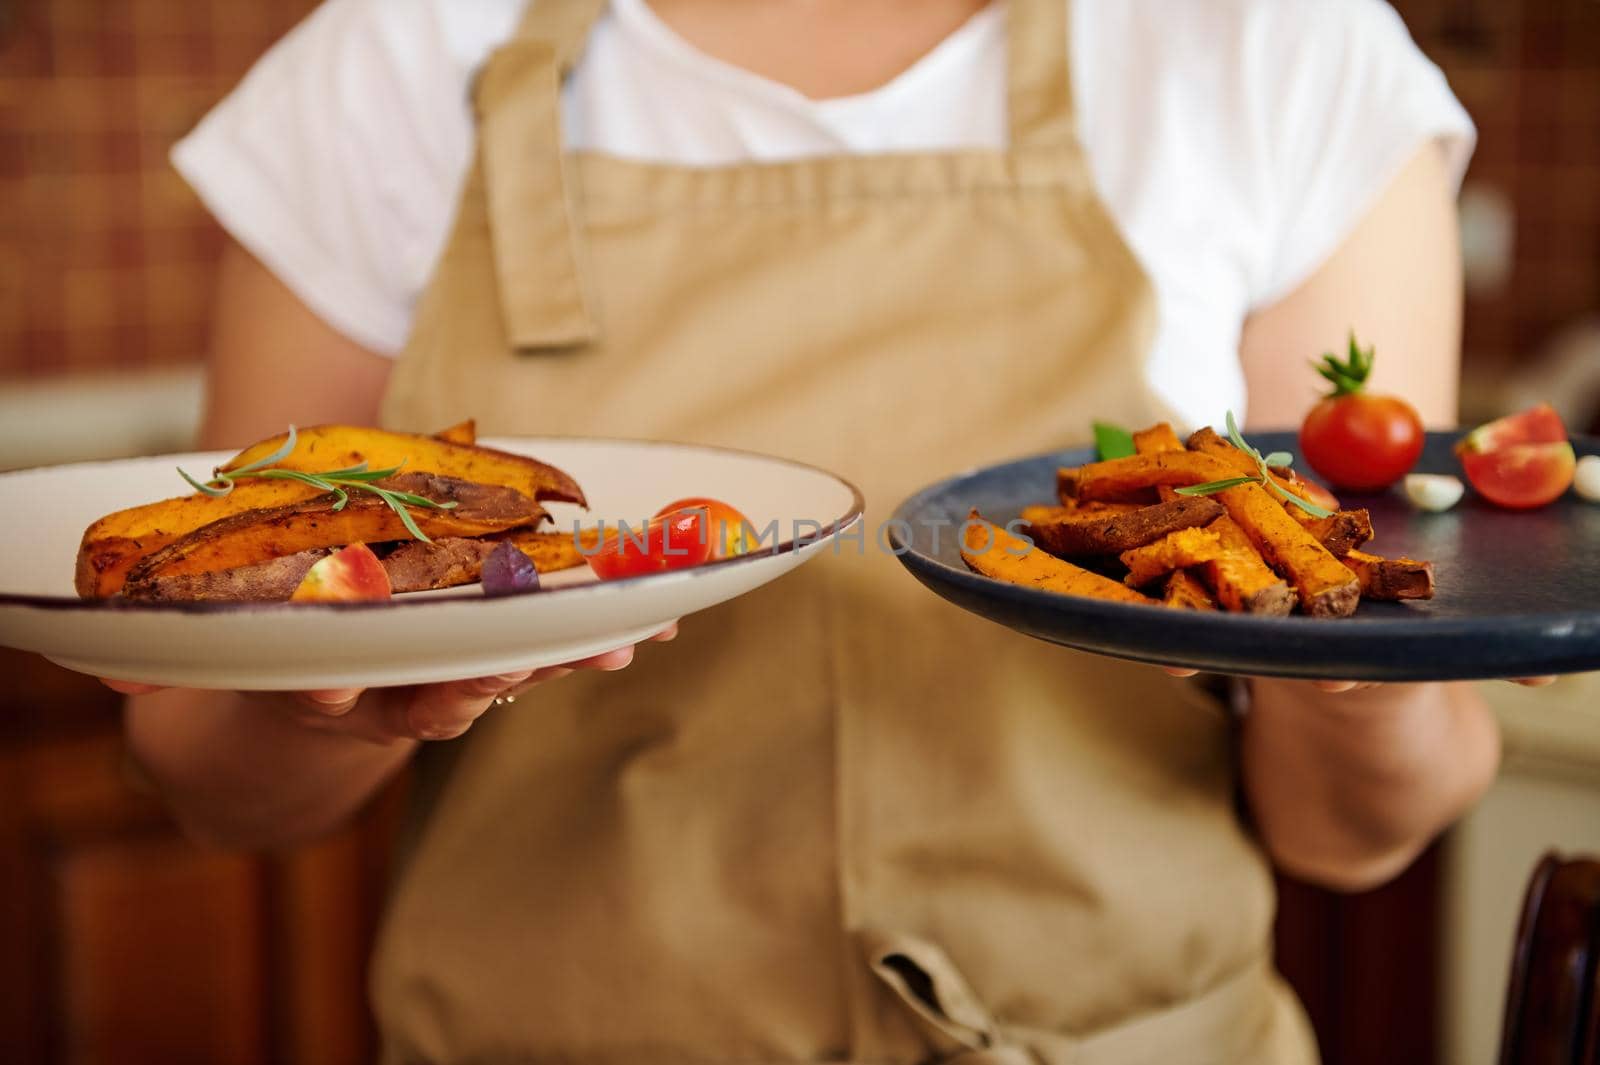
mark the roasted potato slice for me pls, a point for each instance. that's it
(450, 561)
(260, 535)
(464, 433)
(269, 581)
(1325, 587)
(1174, 551)
(1243, 582)
(1138, 475)
(1208, 442)
(1390, 579)
(1185, 592)
(992, 551)
(1340, 532)
(326, 447)
(112, 545)
(1076, 533)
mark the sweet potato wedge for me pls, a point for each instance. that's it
(1241, 580)
(1390, 579)
(1185, 592)
(1156, 439)
(1153, 441)
(260, 535)
(1340, 532)
(1175, 551)
(1067, 485)
(1127, 478)
(1207, 442)
(1078, 533)
(325, 447)
(113, 544)
(464, 433)
(992, 551)
(1325, 587)
(269, 581)
(416, 565)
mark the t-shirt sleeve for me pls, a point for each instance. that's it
(337, 161)
(1345, 100)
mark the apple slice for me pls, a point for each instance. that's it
(351, 574)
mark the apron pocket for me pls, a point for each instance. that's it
(946, 1012)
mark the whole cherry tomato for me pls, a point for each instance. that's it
(1357, 440)
(672, 541)
(1519, 461)
(730, 531)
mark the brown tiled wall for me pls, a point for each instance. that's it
(105, 256)
(1529, 72)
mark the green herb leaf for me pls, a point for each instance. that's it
(1212, 487)
(1113, 441)
(214, 492)
(1304, 504)
(336, 482)
(1264, 467)
(284, 451)
(1238, 440)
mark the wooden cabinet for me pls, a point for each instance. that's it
(122, 944)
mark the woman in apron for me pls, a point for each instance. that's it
(839, 821)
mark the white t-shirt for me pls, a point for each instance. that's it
(1236, 142)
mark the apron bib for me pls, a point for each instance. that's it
(838, 819)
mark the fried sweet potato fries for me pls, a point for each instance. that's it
(1196, 526)
(430, 507)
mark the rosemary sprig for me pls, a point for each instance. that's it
(1265, 464)
(339, 482)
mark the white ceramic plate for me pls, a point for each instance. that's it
(411, 639)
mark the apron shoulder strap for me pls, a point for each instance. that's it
(562, 24)
(517, 98)
(1039, 96)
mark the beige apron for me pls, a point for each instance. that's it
(838, 819)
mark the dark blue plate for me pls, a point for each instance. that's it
(1518, 593)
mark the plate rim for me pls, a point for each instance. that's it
(117, 604)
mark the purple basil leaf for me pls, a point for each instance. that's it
(508, 571)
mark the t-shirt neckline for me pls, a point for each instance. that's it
(636, 18)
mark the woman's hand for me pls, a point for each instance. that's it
(272, 769)
(1349, 781)
(1335, 687)
(420, 712)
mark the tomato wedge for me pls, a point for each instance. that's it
(672, 541)
(1521, 461)
(349, 575)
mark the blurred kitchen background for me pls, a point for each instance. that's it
(121, 943)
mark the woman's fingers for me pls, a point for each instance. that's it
(128, 687)
(1334, 687)
(445, 711)
(331, 702)
(609, 660)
